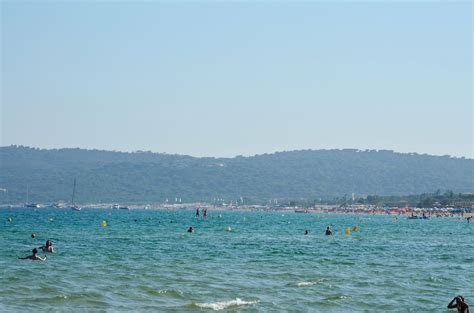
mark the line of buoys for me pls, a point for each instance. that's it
(104, 223)
(347, 230)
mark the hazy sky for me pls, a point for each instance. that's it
(222, 79)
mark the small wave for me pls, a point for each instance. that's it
(216, 306)
(170, 291)
(306, 283)
(337, 297)
(162, 292)
(310, 283)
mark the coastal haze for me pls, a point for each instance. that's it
(227, 79)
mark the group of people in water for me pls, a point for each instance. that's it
(198, 213)
(48, 247)
(458, 302)
(327, 233)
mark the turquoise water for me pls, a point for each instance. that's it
(263, 264)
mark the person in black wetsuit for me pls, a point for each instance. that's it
(328, 231)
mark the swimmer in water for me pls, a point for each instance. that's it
(328, 231)
(462, 306)
(197, 212)
(469, 219)
(48, 247)
(306, 232)
(190, 229)
(34, 256)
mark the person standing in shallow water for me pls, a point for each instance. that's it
(197, 212)
(48, 247)
(328, 231)
(459, 304)
(34, 256)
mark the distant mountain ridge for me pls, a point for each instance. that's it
(142, 177)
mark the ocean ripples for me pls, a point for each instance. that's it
(222, 305)
(311, 283)
(264, 264)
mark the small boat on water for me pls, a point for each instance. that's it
(57, 205)
(74, 207)
(301, 211)
(32, 205)
(120, 207)
(27, 203)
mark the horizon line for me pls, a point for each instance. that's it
(239, 155)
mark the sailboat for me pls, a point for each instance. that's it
(28, 204)
(74, 207)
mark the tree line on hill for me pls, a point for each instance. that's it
(146, 177)
(438, 199)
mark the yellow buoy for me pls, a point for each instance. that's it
(355, 228)
(348, 231)
(104, 223)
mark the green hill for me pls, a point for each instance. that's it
(142, 177)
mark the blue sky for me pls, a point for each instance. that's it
(225, 79)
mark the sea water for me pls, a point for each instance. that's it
(240, 261)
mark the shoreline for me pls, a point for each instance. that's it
(406, 212)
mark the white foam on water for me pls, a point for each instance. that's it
(216, 306)
(306, 283)
(164, 291)
(309, 283)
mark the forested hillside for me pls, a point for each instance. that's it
(142, 177)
